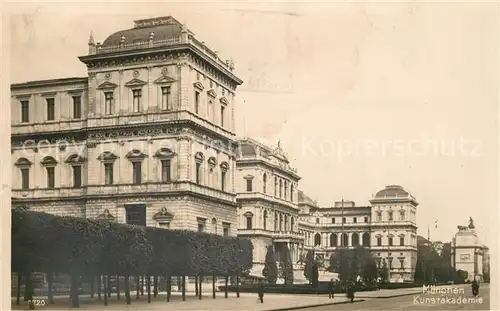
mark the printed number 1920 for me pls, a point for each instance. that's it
(37, 302)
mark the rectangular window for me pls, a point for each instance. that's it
(196, 102)
(137, 172)
(379, 241)
(77, 176)
(201, 227)
(366, 219)
(390, 264)
(108, 103)
(249, 185)
(136, 214)
(165, 171)
(390, 241)
(25, 111)
(355, 220)
(223, 181)
(51, 109)
(51, 178)
(402, 264)
(249, 223)
(198, 173)
(165, 98)
(401, 241)
(333, 220)
(226, 232)
(344, 220)
(108, 173)
(317, 220)
(77, 107)
(25, 177)
(222, 109)
(137, 100)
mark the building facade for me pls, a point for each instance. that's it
(468, 254)
(387, 227)
(146, 138)
(268, 201)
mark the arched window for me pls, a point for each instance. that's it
(275, 186)
(317, 239)
(136, 157)
(389, 214)
(333, 240)
(281, 188)
(292, 224)
(265, 219)
(379, 240)
(379, 216)
(24, 166)
(198, 160)
(402, 215)
(224, 167)
(285, 194)
(291, 192)
(286, 223)
(390, 239)
(345, 239)
(264, 182)
(366, 239)
(50, 167)
(355, 239)
(214, 225)
(281, 222)
(249, 218)
(276, 221)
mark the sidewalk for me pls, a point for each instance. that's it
(246, 301)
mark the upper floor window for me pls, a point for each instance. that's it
(223, 175)
(51, 109)
(275, 186)
(166, 170)
(285, 195)
(317, 220)
(366, 219)
(249, 185)
(281, 188)
(198, 158)
(389, 213)
(108, 102)
(137, 94)
(354, 219)
(24, 166)
(25, 111)
(333, 220)
(76, 161)
(379, 241)
(264, 182)
(402, 215)
(249, 218)
(225, 229)
(210, 110)
(390, 240)
(222, 116)
(136, 157)
(77, 107)
(50, 166)
(166, 101)
(196, 102)
(344, 220)
(201, 224)
(108, 159)
(401, 240)
(291, 192)
(379, 216)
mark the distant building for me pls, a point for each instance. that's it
(388, 227)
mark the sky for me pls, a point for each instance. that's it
(360, 95)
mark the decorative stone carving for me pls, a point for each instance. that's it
(136, 155)
(106, 215)
(23, 162)
(163, 216)
(48, 161)
(135, 74)
(107, 76)
(75, 159)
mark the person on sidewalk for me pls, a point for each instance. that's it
(260, 290)
(331, 289)
(350, 290)
(475, 288)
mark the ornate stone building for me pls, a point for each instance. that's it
(468, 253)
(387, 227)
(146, 138)
(268, 200)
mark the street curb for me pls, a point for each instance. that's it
(314, 306)
(387, 297)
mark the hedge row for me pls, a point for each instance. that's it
(48, 243)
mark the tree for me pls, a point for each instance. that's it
(349, 263)
(287, 265)
(270, 271)
(309, 261)
(314, 274)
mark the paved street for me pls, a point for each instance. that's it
(418, 302)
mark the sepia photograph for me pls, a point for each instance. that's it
(250, 155)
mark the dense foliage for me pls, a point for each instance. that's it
(308, 263)
(287, 265)
(47, 243)
(349, 263)
(270, 271)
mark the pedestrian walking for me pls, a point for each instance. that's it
(260, 290)
(350, 291)
(331, 289)
(475, 288)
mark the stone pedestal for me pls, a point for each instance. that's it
(467, 253)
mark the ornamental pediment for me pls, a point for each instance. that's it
(135, 83)
(212, 93)
(164, 80)
(199, 86)
(106, 215)
(164, 153)
(107, 86)
(224, 101)
(163, 216)
(23, 162)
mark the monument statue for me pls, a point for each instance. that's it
(462, 228)
(471, 223)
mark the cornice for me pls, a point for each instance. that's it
(250, 162)
(49, 82)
